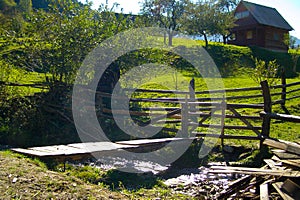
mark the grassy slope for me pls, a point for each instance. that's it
(34, 181)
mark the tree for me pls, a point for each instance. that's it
(207, 18)
(200, 19)
(225, 17)
(167, 13)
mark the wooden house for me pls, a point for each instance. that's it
(258, 25)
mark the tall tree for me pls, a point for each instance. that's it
(200, 19)
(225, 17)
(167, 13)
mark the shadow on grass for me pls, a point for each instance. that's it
(118, 180)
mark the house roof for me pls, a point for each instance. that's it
(267, 16)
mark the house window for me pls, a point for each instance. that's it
(249, 35)
(241, 15)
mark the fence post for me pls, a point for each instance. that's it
(192, 92)
(283, 92)
(184, 118)
(223, 107)
(267, 109)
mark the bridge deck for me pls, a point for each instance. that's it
(81, 150)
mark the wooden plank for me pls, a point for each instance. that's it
(273, 165)
(293, 163)
(264, 192)
(147, 142)
(282, 154)
(283, 194)
(71, 149)
(284, 145)
(254, 171)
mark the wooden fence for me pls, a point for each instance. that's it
(196, 113)
(194, 110)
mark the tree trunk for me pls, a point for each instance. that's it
(206, 40)
(165, 38)
(170, 38)
(224, 39)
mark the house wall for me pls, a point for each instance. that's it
(274, 38)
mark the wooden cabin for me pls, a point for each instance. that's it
(258, 25)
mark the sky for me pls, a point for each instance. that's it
(289, 9)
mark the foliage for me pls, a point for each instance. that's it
(207, 18)
(167, 13)
(264, 71)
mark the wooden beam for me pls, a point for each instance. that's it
(284, 145)
(283, 117)
(282, 154)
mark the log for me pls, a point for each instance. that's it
(201, 114)
(283, 117)
(253, 128)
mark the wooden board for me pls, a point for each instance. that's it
(274, 165)
(282, 154)
(290, 162)
(284, 145)
(264, 192)
(71, 149)
(254, 171)
(146, 142)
